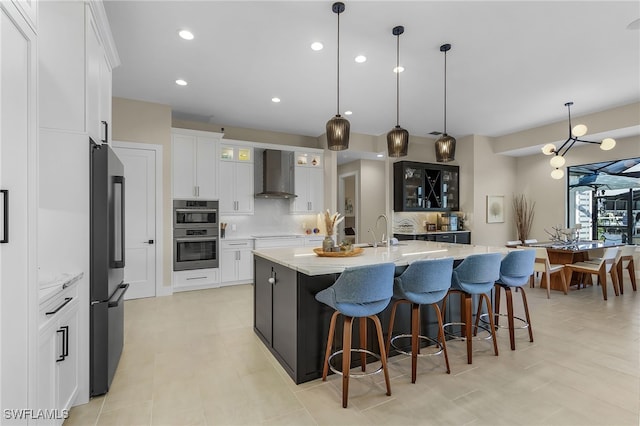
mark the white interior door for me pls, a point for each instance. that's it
(140, 220)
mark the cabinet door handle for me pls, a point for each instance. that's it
(196, 278)
(106, 132)
(62, 305)
(65, 342)
(5, 216)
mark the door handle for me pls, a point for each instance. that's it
(148, 242)
(5, 216)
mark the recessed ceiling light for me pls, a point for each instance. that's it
(275, 100)
(181, 82)
(316, 46)
(398, 69)
(361, 58)
(380, 155)
(634, 25)
(348, 112)
(186, 34)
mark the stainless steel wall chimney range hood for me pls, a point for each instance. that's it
(277, 174)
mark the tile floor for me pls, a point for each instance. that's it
(193, 359)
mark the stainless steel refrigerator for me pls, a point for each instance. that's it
(107, 287)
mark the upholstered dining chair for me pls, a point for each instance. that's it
(601, 268)
(424, 282)
(515, 271)
(359, 292)
(543, 265)
(475, 275)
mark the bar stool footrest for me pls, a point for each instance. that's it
(355, 375)
(452, 336)
(420, 354)
(524, 326)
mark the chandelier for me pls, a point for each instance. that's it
(558, 160)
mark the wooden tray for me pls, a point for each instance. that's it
(355, 252)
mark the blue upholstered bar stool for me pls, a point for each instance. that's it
(515, 272)
(424, 282)
(359, 292)
(476, 274)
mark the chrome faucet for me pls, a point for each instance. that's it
(386, 226)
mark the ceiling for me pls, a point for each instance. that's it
(512, 66)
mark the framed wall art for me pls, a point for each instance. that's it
(495, 208)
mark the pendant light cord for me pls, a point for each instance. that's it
(338, 66)
(398, 81)
(445, 92)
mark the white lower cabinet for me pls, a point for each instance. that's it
(58, 356)
(196, 279)
(236, 262)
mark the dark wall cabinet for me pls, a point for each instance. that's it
(463, 237)
(425, 187)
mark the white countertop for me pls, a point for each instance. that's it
(303, 259)
(52, 285)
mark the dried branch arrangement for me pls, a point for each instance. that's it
(331, 221)
(523, 212)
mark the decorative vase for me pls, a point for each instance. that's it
(327, 243)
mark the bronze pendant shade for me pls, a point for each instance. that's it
(338, 127)
(338, 133)
(445, 148)
(397, 138)
(445, 145)
(398, 142)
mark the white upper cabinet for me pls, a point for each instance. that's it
(194, 165)
(236, 175)
(98, 83)
(309, 183)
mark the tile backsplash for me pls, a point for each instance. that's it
(271, 216)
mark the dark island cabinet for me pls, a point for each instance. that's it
(287, 318)
(425, 187)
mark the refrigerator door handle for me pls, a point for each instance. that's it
(5, 216)
(118, 223)
(123, 288)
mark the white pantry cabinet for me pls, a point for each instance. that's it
(99, 80)
(18, 207)
(58, 352)
(309, 183)
(236, 261)
(236, 177)
(194, 164)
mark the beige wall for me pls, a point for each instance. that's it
(146, 122)
(251, 135)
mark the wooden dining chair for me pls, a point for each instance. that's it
(626, 262)
(543, 265)
(600, 268)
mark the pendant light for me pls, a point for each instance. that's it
(398, 138)
(338, 127)
(445, 145)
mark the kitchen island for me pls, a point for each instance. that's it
(294, 326)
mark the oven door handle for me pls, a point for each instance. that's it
(196, 210)
(195, 239)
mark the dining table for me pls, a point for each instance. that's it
(563, 253)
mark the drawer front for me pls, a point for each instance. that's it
(195, 277)
(58, 305)
(236, 244)
(445, 238)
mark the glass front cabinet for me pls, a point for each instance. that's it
(425, 187)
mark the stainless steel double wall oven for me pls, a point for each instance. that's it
(195, 234)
